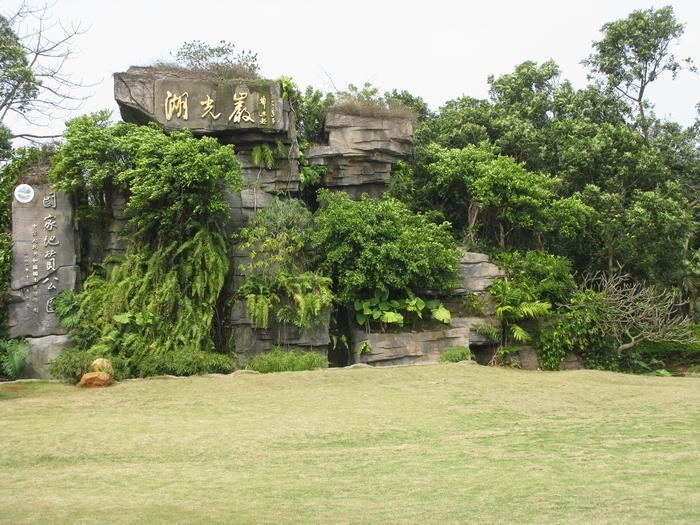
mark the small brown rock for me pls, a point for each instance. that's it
(95, 379)
(102, 365)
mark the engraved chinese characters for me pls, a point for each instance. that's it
(203, 105)
(43, 261)
(175, 106)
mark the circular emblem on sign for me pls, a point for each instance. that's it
(24, 193)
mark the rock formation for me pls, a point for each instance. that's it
(361, 151)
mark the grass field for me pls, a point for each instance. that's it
(443, 444)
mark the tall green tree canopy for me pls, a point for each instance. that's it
(633, 53)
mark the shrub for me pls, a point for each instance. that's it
(549, 276)
(455, 354)
(184, 363)
(71, 365)
(578, 328)
(279, 360)
(13, 356)
(379, 244)
(671, 352)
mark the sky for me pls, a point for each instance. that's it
(438, 49)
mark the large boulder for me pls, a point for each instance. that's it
(102, 365)
(408, 347)
(42, 351)
(43, 259)
(253, 111)
(477, 272)
(361, 151)
(95, 379)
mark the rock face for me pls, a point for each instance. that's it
(43, 259)
(527, 359)
(177, 99)
(43, 350)
(282, 177)
(246, 114)
(408, 347)
(478, 273)
(572, 362)
(361, 152)
(253, 341)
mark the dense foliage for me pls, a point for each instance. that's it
(156, 307)
(378, 244)
(282, 276)
(555, 183)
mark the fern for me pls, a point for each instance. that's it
(488, 330)
(13, 356)
(262, 156)
(258, 309)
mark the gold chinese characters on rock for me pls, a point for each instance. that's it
(243, 107)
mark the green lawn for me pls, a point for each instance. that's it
(440, 444)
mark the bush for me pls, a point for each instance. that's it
(184, 363)
(455, 354)
(550, 276)
(379, 244)
(71, 365)
(578, 328)
(670, 352)
(279, 360)
(13, 356)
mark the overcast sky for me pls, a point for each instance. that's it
(435, 49)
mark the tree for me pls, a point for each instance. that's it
(634, 312)
(404, 98)
(632, 55)
(159, 305)
(379, 244)
(34, 83)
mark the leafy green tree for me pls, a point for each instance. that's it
(518, 199)
(633, 53)
(157, 308)
(378, 244)
(311, 107)
(647, 234)
(404, 98)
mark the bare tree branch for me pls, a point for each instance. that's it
(47, 89)
(636, 312)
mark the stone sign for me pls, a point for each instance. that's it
(43, 259)
(203, 105)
